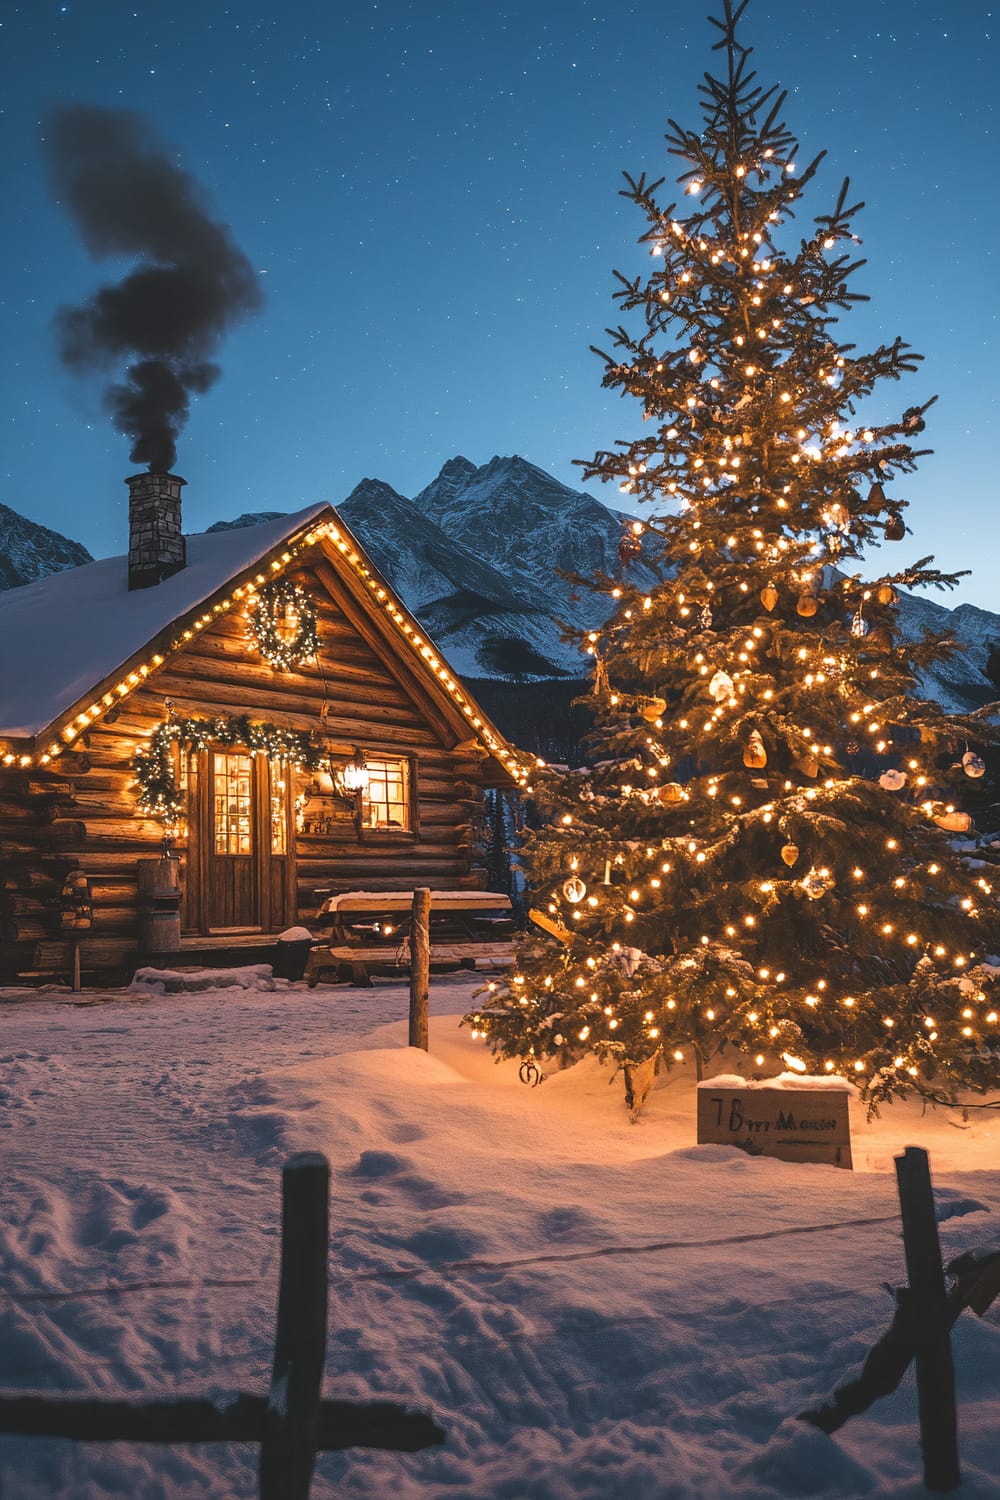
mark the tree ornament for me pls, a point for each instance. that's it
(895, 527)
(913, 420)
(671, 791)
(574, 889)
(705, 618)
(859, 625)
(754, 755)
(653, 709)
(630, 547)
(887, 594)
(852, 747)
(808, 602)
(876, 496)
(769, 596)
(721, 687)
(808, 763)
(281, 622)
(790, 853)
(953, 822)
(973, 765)
(892, 781)
(530, 1073)
(628, 960)
(816, 883)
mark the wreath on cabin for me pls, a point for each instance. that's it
(281, 621)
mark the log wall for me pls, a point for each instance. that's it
(80, 814)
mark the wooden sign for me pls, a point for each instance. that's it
(809, 1125)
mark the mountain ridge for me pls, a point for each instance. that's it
(480, 554)
(29, 551)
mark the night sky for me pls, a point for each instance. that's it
(429, 194)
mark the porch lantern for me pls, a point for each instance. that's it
(353, 776)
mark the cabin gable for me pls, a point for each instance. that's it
(262, 839)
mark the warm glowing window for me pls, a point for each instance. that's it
(385, 802)
(231, 788)
(279, 807)
(183, 778)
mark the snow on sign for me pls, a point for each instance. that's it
(784, 1118)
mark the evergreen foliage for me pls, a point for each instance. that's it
(158, 792)
(762, 855)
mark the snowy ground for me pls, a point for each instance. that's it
(642, 1317)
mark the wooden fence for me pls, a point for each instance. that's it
(292, 1423)
(921, 1329)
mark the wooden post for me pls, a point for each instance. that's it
(291, 1429)
(934, 1366)
(76, 967)
(420, 967)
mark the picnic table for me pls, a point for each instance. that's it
(366, 932)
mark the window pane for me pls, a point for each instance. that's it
(385, 803)
(231, 782)
(183, 779)
(279, 807)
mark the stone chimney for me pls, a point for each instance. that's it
(155, 540)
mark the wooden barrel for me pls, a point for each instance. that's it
(159, 879)
(159, 931)
(158, 923)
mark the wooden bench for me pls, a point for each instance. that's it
(368, 932)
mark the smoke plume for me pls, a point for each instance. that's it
(167, 316)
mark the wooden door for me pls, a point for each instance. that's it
(241, 874)
(234, 842)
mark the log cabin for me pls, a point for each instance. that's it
(258, 705)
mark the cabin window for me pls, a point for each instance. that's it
(385, 801)
(279, 807)
(180, 758)
(232, 774)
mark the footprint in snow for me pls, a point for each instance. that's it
(397, 1172)
(560, 1223)
(403, 1133)
(951, 1204)
(380, 1164)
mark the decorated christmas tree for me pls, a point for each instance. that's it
(768, 854)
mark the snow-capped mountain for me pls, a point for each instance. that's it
(527, 524)
(29, 551)
(487, 622)
(475, 555)
(248, 518)
(960, 682)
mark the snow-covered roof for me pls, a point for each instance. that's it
(65, 633)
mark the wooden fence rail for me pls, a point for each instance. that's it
(292, 1423)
